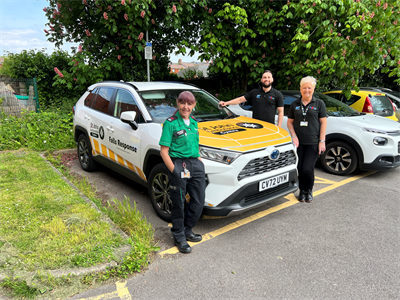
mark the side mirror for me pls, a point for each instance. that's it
(128, 117)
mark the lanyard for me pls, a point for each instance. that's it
(304, 110)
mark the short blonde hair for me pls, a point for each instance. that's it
(308, 79)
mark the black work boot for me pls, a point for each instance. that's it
(309, 196)
(302, 196)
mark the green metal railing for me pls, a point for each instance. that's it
(28, 82)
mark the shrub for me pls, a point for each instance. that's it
(48, 130)
(40, 65)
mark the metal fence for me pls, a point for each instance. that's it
(17, 95)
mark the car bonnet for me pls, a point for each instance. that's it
(370, 121)
(241, 134)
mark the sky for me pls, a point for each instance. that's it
(21, 28)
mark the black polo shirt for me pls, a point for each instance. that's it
(307, 135)
(264, 103)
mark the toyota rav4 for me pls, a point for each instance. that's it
(247, 162)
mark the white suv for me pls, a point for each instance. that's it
(247, 162)
(353, 139)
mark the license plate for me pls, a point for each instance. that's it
(273, 182)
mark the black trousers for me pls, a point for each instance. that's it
(308, 155)
(183, 220)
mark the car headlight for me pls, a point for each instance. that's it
(373, 130)
(380, 141)
(221, 156)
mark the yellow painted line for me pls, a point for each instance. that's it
(123, 291)
(292, 201)
(107, 296)
(323, 180)
(343, 182)
(208, 236)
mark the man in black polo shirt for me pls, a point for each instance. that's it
(265, 100)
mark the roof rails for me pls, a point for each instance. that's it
(121, 81)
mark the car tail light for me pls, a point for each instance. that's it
(73, 110)
(367, 106)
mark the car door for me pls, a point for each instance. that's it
(101, 132)
(125, 140)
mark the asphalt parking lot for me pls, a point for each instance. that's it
(343, 245)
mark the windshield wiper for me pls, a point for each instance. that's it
(230, 117)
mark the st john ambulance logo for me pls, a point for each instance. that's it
(101, 132)
(250, 125)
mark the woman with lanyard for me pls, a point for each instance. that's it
(307, 126)
(180, 152)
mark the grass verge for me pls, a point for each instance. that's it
(45, 225)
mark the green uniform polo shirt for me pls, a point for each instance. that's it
(182, 140)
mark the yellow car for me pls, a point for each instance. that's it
(370, 102)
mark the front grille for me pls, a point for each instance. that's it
(398, 147)
(251, 199)
(264, 164)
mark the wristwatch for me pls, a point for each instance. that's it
(322, 141)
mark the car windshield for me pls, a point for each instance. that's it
(335, 108)
(161, 104)
(381, 105)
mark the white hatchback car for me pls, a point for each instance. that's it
(353, 139)
(247, 162)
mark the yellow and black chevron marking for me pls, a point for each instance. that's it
(100, 149)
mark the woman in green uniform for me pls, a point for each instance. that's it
(180, 152)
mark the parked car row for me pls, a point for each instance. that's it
(368, 101)
(247, 162)
(353, 139)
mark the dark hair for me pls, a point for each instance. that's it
(186, 97)
(268, 71)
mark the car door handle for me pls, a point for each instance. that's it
(110, 129)
(87, 118)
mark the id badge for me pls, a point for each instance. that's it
(185, 174)
(303, 123)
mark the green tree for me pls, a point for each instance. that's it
(329, 38)
(340, 39)
(111, 36)
(40, 65)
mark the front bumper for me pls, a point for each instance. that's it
(382, 162)
(249, 197)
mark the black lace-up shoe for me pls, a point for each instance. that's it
(193, 237)
(183, 247)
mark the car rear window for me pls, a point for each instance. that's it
(381, 105)
(90, 98)
(103, 99)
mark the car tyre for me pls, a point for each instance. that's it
(85, 154)
(339, 158)
(158, 188)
